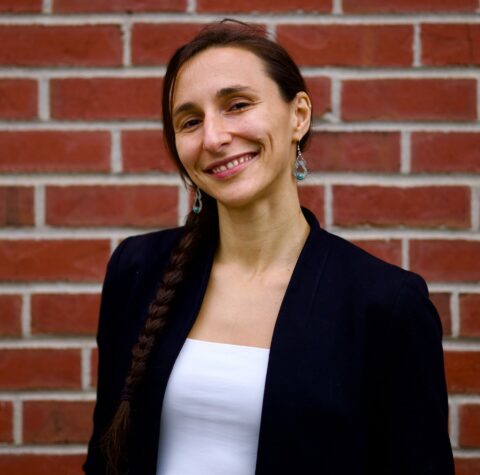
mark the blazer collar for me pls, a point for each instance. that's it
(291, 322)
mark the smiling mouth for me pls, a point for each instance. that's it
(234, 163)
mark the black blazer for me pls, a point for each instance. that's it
(355, 381)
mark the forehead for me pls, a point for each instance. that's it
(217, 68)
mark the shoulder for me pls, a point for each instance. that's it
(144, 251)
(370, 278)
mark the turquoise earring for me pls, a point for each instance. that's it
(301, 171)
(197, 204)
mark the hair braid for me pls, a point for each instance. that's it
(197, 227)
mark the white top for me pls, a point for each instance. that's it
(211, 410)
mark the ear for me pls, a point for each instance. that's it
(302, 115)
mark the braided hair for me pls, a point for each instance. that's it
(198, 228)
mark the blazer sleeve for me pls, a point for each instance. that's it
(417, 405)
(107, 384)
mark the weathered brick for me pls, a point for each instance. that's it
(406, 6)
(10, 313)
(54, 151)
(25, 6)
(18, 99)
(30, 464)
(64, 314)
(409, 99)
(348, 45)
(446, 152)
(16, 206)
(462, 369)
(421, 206)
(116, 205)
(57, 422)
(470, 315)
(155, 43)
(77, 6)
(319, 91)
(39, 369)
(446, 260)
(144, 150)
(469, 423)
(106, 98)
(354, 151)
(274, 6)
(6, 422)
(313, 198)
(98, 45)
(451, 44)
(52, 260)
(387, 250)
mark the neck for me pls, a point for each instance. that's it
(263, 237)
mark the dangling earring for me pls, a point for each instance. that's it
(197, 204)
(300, 172)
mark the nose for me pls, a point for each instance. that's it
(215, 133)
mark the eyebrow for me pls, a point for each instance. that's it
(224, 92)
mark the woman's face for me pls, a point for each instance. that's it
(235, 135)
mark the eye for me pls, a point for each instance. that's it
(189, 124)
(236, 106)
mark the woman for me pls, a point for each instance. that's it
(261, 342)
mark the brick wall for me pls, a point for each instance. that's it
(395, 159)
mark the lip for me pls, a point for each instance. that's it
(234, 170)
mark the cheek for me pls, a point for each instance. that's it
(186, 151)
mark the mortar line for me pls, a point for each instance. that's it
(455, 313)
(26, 316)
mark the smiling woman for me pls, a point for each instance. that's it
(251, 340)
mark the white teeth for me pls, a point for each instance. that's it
(233, 163)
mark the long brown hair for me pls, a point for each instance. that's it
(281, 69)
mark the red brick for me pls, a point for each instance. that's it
(144, 150)
(409, 99)
(470, 315)
(324, 6)
(106, 98)
(469, 424)
(52, 260)
(54, 151)
(54, 422)
(18, 99)
(446, 260)
(450, 44)
(354, 151)
(94, 367)
(462, 369)
(98, 45)
(75, 6)
(319, 90)
(16, 206)
(155, 43)
(29, 464)
(387, 250)
(25, 6)
(421, 206)
(10, 311)
(313, 198)
(404, 6)
(446, 152)
(40, 369)
(117, 205)
(6, 422)
(65, 314)
(467, 466)
(348, 45)
(442, 304)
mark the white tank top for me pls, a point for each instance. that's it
(211, 410)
